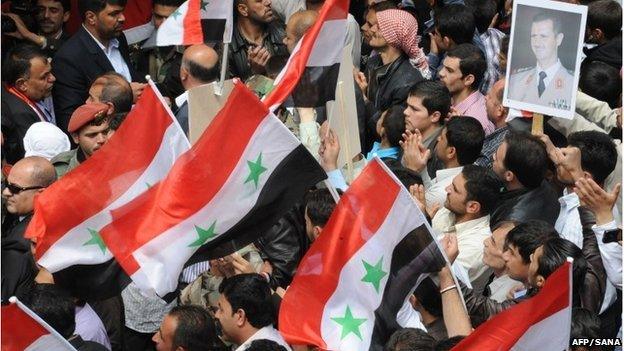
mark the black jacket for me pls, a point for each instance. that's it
(524, 204)
(238, 64)
(18, 268)
(76, 65)
(609, 53)
(17, 117)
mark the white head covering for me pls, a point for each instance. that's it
(46, 140)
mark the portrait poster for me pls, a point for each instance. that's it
(544, 57)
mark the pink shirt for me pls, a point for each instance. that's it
(474, 106)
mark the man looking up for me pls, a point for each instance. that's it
(497, 114)
(187, 328)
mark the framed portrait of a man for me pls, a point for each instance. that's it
(544, 57)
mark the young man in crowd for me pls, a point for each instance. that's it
(187, 328)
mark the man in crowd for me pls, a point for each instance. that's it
(200, 65)
(497, 114)
(51, 16)
(493, 247)
(187, 328)
(89, 129)
(255, 39)
(111, 88)
(28, 80)
(462, 72)
(604, 28)
(101, 39)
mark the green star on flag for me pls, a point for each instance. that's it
(204, 3)
(349, 324)
(255, 170)
(204, 235)
(96, 239)
(176, 13)
(374, 274)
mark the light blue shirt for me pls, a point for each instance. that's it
(114, 56)
(391, 152)
(47, 107)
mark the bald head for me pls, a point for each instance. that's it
(498, 89)
(200, 65)
(28, 177)
(298, 24)
(41, 171)
(496, 112)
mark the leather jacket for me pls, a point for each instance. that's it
(524, 204)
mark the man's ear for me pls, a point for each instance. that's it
(509, 176)
(559, 39)
(75, 137)
(435, 117)
(111, 108)
(21, 84)
(473, 207)
(447, 42)
(539, 281)
(451, 152)
(66, 16)
(242, 10)
(91, 18)
(317, 231)
(241, 317)
(469, 80)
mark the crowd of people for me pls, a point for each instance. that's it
(508, 205)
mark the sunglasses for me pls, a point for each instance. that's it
(16, 189)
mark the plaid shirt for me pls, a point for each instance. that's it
(491, 41)
(490, 144)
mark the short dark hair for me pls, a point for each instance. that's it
(585, 325)
(546, 15)
(528, 236)
(466, 135)
(169, 3)
(410, 339)
(526, 157)
(201, 73)
(406, 176)
(483, 12)
(96, 6)
(598, 153)
(448, 344)
(605, 15)
(394, 124)
(66, 4)
(252, 294)
(195, 330)
(117, 91)
(601, 81)
(471, 61)
(482, 186)
(435, 96)
(456, 22)
(555, 252)
(319, 205)
(265, 345)
(17, 62)
(55, 306)
(428, 295)
(115, 120)
(382, 6)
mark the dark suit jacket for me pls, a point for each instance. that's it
(17, 117)
(18, 265)
(76, 65)
(182, 115)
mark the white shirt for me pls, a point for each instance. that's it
(114, 56)
(568, 223)
(550, 73)
(90, 327)
(500, 286)
(470, 236)
(435, 190)
(610, 253)
(266, 333)
(181, 99)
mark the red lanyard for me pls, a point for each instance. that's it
(28, 102)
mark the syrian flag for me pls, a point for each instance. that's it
(69, 215)
(23, 330)
(197, 22)
(539, 323)
(314, 63)
(241, 176)
(357, 275)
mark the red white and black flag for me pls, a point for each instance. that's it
(241, 176)
(357, 275)
(196, 22)
(312, 69)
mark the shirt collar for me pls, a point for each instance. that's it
(471, 225)
(569, 199)
(550, 72)
(463, 106)
(113, 43)
(181, 99)
(391, 152)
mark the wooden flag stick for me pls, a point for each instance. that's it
(537, 126)
(350, 171)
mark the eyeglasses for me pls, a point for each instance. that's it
(16, 189)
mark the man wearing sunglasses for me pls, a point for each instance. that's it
(27, 178)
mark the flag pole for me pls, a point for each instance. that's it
(332, 190)
(345, 137)
(39, 320)
(219, 88)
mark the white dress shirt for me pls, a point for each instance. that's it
(266, 333)
(114, 56)
(500, 286)
(611, 254)
(435, 189)
(550, 73)
(568, 223)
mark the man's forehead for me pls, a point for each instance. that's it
(543, 24)
(49, 4)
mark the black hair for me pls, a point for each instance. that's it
(526, 157)
(605, 15)
(195, 329)
(482, 186)
(466, 135)
(319, 205)
(265, 345)
(66, 4)
(585, 325)
(201, 73)
(598, 153)
(483, 12)
(17, 62)
(117, 91)
(555, 252)
(410, 339)
(115, 120)
(406, 176)
(528, 236)
(394, 124)
(471, 61)
(252, 294)
(545, 15)
(169, 3)
(456, 22)
(435, 96)
(55, 307)
(275, 64)
(448, 344)
(601, 81)
(382, 6)
(96, 6)
(428, 295)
